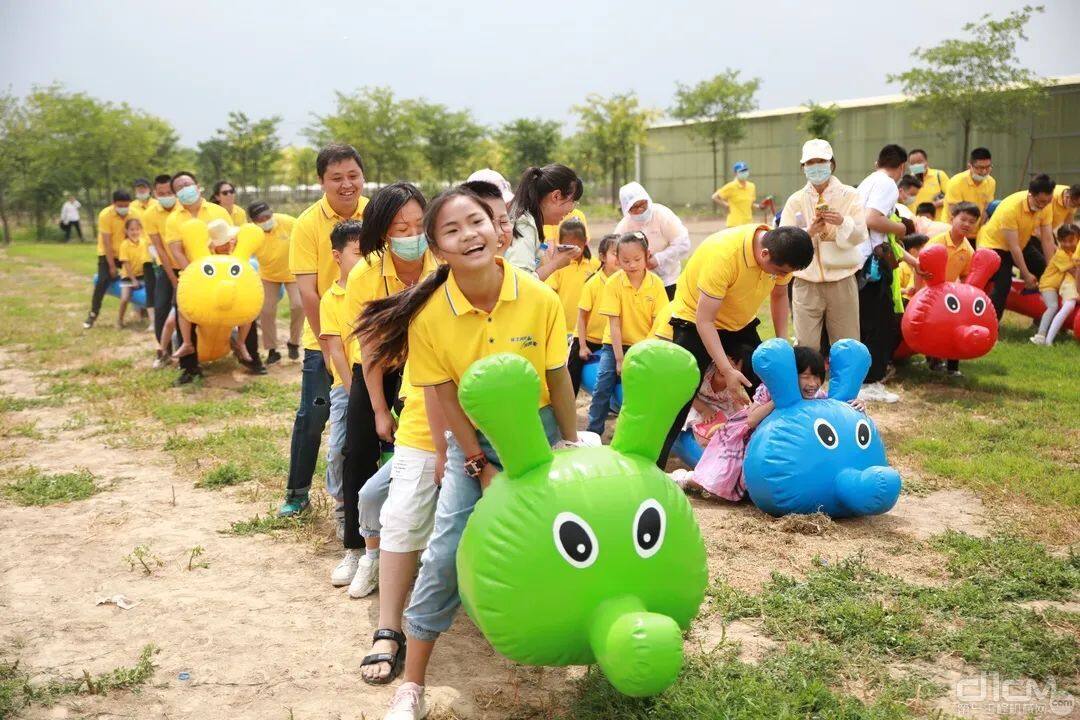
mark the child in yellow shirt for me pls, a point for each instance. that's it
(134, 256)
(567, 282)
(588, 325)
(1059, 280)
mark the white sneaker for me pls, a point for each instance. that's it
(366, 578)
(1038, 339)
(876, 392)
(681, 477)
(408, 703)
(346, 569)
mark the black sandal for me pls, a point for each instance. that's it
(396, 659)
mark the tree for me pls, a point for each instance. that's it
(528, 142)
(298, 166)
(819, 120)
(12, 156)
(449, 138)
(612, 127)
(978, 81)
(716, 107)
(213, 159)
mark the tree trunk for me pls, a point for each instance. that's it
(614, 181)
(967, 141)
(727, 164)
(4, 221)
(715, 175)
(88, 206)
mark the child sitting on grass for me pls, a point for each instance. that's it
(712, 405)
(134, 259)
(1060, 279)
(720, 470)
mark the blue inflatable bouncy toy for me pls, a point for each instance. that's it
(138, 297)
(811, 455)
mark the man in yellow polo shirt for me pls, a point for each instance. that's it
(311, 260)
(110, 235)
(1017, 221)
(718, 295)
(1066, 202)
(974, 185)
(933, 184)
(738, 197)
(165, 272)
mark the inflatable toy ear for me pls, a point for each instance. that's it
(501, 394)
(848, 362)
(933, 259)
(774, 363)
(984, 264)
(646, 414)
(248, 240)
(194, 233)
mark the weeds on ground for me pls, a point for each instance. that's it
(264, 524)
(194, 562)
(33, 486)
(142, 556)
(223, 476)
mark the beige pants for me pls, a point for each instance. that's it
(268, 316)
(832, 304)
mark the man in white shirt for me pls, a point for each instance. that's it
(69, 218)
(879, 325)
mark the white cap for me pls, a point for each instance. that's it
(495, 178)
(816, 149)
(220, 232)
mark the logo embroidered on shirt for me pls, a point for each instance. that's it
(525, 340)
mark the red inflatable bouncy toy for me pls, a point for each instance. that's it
(1032, 305)
(952, 320)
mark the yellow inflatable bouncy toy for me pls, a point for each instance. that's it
(219, 290)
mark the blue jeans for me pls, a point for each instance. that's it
(311, 418)
(372, 496)
(606, 380)
(335, 455)
(435, 595)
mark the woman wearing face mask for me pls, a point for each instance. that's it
(273, 257)
(224, 194)
(543, 197)
(669, 240)
(396, 257)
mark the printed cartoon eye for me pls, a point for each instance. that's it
(826, 434)
(862, 434)
(208, 270)
(234, 269)
(575, 540)
(952, 303)
(649, 525)
(979, 306)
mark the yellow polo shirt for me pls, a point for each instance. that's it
(1013, 213)
(661, 329)
(1061, 214)
(740, 198)
(153, 220)
(724, 267)
(135, 253)
(449, 334)
(111, 223)
(413, 429)
(333, 322)
(551, 232)
(310, 252)
(636, 308)
(959, 256)
(174, 224)
(239, 217)
(273, 255)
(591, 292)
(1060, 264)
(934, 182)
(961, 188)
(374, 278)
(567, 282)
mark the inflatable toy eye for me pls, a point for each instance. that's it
(649, 525)
(979, 306)
(862, 434)
(575, 540)
(952, 303)
(208, 270)
(234, 269)
(826, 434)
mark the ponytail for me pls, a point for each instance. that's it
(384, 324)
(537, 182)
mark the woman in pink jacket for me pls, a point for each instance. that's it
(669, 240)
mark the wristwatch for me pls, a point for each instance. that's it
(475, 465)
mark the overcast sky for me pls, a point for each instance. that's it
(501, 60)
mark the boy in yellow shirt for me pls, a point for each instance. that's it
(335, 328)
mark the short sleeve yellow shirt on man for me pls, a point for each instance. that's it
(589, 301)
(933, 184)
(1060, 264)
(374, 278)
(636, 308)
(724, 267)
(740, 199)
(153, 221)
(661, 329)
(110, 223)
(413, 429)
(959, 256)
(135, 253)
(449, 334)
(174, 226)
(1013, 213)
(1061, 213)
(961, 188)
(273, 256)
(568, 282)
(333, 323)
(310, 252)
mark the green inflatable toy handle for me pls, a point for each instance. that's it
(648, 411)
(640, 652)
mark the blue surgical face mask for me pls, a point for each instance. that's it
(167, 201)
(268, 225)
(409, 248)
(644, 216)
(818, 173)
(188, 195)
(142, 196)
(743, 174)
(917, 168)
(121, 211)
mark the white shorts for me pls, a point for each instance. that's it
(408, 515)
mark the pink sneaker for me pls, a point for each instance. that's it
(407, 703)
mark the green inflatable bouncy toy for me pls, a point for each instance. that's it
(584, 555)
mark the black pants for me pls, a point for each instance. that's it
(363, 447)
(67, 230)
(163, 300)
(101, 286)
(879, 324)
(574, 363)
(670, 290)
(149, 280)
(190, 362)
(1002, 280)
(685, 335)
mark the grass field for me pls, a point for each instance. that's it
(875, 619)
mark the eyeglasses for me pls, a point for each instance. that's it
(226, 192)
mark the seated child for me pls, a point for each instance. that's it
(632, 298)
(712, 405)
(720, 470)
(1060, 279)
(590, 328)
(134, 257)
(913, 244)
(965, 218)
